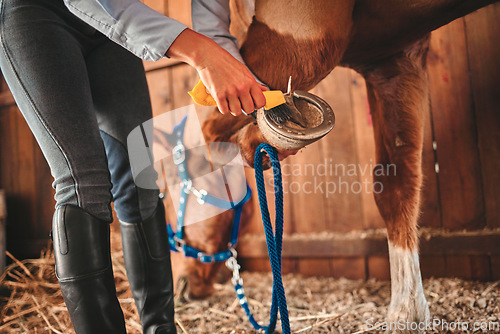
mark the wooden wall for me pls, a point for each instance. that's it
(338, 235)
(26, 179)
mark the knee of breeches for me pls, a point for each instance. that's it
(131, 203)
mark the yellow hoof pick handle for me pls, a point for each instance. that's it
(200, 96)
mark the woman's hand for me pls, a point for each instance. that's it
(230, 82)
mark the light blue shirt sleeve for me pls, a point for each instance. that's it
(212, 19)
(131, 24)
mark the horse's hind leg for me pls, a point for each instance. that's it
(398, 96)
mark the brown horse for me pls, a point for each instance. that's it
(384, 40)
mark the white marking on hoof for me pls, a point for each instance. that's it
(408, 311)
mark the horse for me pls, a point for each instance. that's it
(386, 41)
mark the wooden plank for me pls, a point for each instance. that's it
(314, 267)
(45, 202)
(455, 129)
(11, 180)
(5, 149)
(161, 91)
(159, 5)
(300, 191)
(363, 128)
(430, 204)
(259, 265)
(289, 265)
(3, 239)
(27, 192)
(482, 29)
(26, 248)
(176, 9)
(432, 266)
(3, 205)
(482, 242)
(336, 245)
(180, 10)
(495, 267)
(350, 267)
(480, 267)
(6, 99)
(470, 267)
(305, 246)
(8, 151)
(184, 78)
(458, 266)
(160, 64)
(343, 205)
(379, 268)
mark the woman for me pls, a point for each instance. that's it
(74, 69)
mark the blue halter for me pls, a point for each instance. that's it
(176, 238)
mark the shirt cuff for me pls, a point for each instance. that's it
(147, 33)
(131, 24)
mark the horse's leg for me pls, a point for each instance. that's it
(398, 96)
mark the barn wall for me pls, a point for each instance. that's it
(338, 235)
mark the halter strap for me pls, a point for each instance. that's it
(176, 238)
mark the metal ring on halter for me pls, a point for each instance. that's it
(178, 154)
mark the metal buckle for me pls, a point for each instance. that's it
(178, 154)
(201, 194)
(179, 244)
(233, 265)
(187, 185)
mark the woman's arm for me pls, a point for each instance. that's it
(131, 24)
(151, 36)
(212, 18)
(229, 81)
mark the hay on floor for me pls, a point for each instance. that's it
(31, 302)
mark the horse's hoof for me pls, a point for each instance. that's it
(410, 316)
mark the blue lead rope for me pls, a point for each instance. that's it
(274, 240)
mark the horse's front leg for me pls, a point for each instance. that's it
(398, 96)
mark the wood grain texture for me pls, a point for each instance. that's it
(161, 90)
(432, 266)
(482, 30)
(314, 267)
(378, 267)
(495, 267)
(342, 198)
(436, 243)
(459, 177)
(349, 267)
(3, 205)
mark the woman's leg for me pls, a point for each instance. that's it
(121, 99)
(43, 62)
(42, 54)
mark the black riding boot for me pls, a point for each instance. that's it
(83, 267)
(147, 260)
